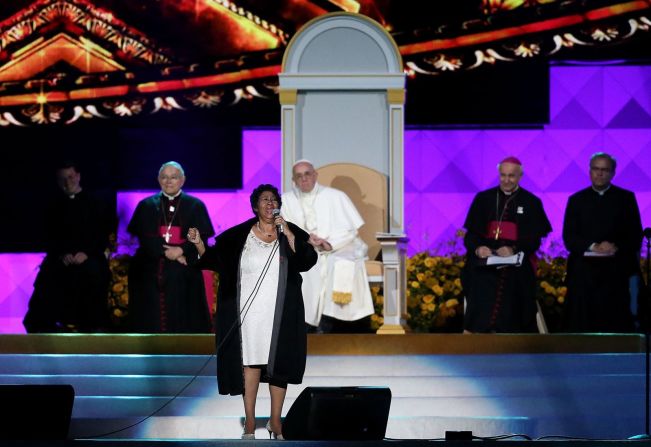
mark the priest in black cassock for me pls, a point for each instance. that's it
(503, 221)
(71, 288)
(602, 231)
(165, 295)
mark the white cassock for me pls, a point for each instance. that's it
(337, 285)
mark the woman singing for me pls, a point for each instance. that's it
(260, 322)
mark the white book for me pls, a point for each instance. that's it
(594, 254)
(515, 259)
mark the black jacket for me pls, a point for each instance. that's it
(289, 339)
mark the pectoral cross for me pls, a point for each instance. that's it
(498, 231)
(168, 235)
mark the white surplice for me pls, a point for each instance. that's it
(331, 215)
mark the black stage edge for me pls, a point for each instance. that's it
(384, 443)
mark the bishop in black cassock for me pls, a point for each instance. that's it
(502, 221)
(603, 233)
(165, 295)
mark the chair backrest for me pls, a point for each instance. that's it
(368, 190)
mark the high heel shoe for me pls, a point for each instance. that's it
(246, 435)
(272, 434)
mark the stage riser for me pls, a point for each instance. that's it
(532, 407)
(165, 386)
(559, 365)
(586, 395)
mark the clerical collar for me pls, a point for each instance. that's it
(72, 196)
(174, 196)
(510, 192)
(602, 191)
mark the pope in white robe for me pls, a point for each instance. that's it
(337, 286)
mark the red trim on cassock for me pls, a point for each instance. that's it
(175, 234)
(508, 230)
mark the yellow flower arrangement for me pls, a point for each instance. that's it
(433, 293)
(377, 319)
(118, 298)
(551, 289)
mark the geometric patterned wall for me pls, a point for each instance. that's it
(17, 272)
(592, 108)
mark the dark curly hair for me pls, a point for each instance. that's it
(257, 192)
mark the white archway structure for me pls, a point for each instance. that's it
(342, 92)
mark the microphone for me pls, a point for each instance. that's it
(647, 233)
(279, 228)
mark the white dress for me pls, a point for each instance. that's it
(258, 313)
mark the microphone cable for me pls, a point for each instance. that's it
(237, 323)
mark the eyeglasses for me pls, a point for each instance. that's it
(304, 175)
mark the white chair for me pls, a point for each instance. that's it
(367, 189)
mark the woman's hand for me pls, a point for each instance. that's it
(195, 237)
(278, 220)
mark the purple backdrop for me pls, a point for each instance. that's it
(592, 108)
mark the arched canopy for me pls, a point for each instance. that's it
(349, 35)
